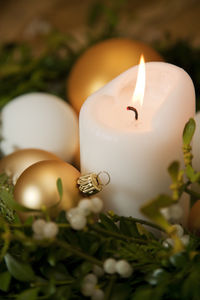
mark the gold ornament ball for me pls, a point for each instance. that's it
(103, 62)
(14, 164)
(36, 187)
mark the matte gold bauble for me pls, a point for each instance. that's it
(103, 62)
(14, 164)
(36, 187)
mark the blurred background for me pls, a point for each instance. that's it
(42, 40)
(145, 20)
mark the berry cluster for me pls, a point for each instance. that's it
(122, 267)
(180, 233)
(89, 286)
(44, 230)
(173, 213)
(77, 216)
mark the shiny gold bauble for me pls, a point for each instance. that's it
(103, 62)
(14, 164)
(36, 187)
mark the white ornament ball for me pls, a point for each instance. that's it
(39, 120)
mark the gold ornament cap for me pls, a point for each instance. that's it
(90, 184)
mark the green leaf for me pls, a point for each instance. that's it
(147, 293)
(121, 292)
(128, 227)
(49, 289)
(60, 187)
(5, 278)
(190, 287)
(188, 131)
(158, 277)
(86, 267)
(191, 174)
(174, 170)
(178, 260)
(62, 293)
(144, 293)
(143, 231)
(153, 207)
(19, 270)
(108, 223)
(30, 294)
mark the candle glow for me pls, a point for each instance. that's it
(138, 95)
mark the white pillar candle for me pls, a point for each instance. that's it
(136, 153)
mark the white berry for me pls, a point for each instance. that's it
(176, 211)
(38, 226)
(85, 207)
(97, 205)
(168, 242)
(87, 289)
(78, 222)
(97, 295)
(165, 212)
(110, 266)
(72, 212)
(98, 271)
(123, 268)
(50, 230)
(185, 239)
(179, 230)
(90, 278)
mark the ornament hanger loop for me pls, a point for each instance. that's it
(101, 181)
(91, 183)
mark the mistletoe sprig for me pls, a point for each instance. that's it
(65, 263)
(181, 182)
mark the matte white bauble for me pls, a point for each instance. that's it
(39, 120)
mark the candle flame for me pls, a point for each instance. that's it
(138, 94)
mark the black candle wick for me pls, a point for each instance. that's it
(133, 109)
